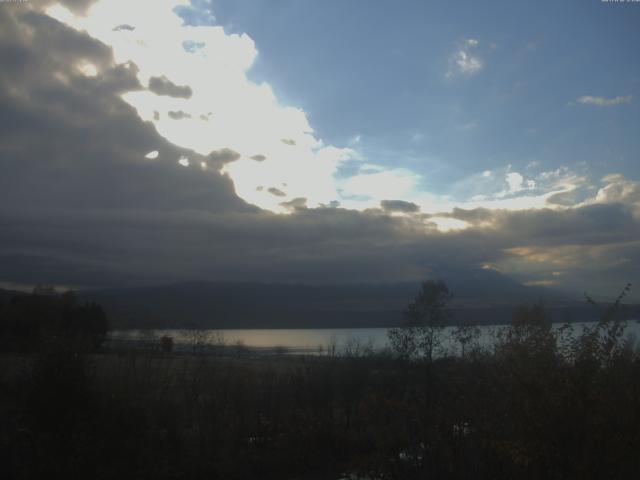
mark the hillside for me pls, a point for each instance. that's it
(484, 297)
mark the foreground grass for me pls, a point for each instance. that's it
(530, 408)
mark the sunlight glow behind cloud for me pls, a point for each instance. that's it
(226, 110)
(199, 97)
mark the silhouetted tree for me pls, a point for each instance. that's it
(166, 343)
(29, 320)
(466, 334)
(603, 341)
(425, 317)
(530, 331)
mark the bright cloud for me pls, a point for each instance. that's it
(617, 189)
(464, 60)
(605, 102)
(88, 69)
(199, 97)
(378, 183)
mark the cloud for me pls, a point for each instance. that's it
(504, 188)
(399, 206)
(91, 146)
(464, 61)
(163, 86)
(618, 189)
(247, 117)
(178, 115)
(83, 206)
(124, 27)
(605, 102)
(295, 204)
(76, 6)
(276, 192)
(240, 114)
(565, 199)
(476, 216)
(373, 184)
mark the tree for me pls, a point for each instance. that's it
(421, 333)
(198, 339)
(601, 343)
(529, 343)
(29, 320)
(166, 344)
(466, 334)
(530, 329)
(149, 340)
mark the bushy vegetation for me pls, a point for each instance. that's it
(540, 403)
(29, 323)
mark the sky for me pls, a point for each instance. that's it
(328, 141)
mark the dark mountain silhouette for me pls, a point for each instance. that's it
(481, 296)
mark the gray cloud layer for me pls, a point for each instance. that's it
(81, 205)
(399, 206)
(164, 86)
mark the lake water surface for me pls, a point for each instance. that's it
(311, 341)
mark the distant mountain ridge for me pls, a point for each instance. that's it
(481, 296)
(484, 296)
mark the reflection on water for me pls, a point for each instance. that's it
(311, 341)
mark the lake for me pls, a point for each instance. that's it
(308, 341)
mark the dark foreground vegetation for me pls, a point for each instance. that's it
(539, 404)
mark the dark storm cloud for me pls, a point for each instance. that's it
(164, 86)
(323, 245)
(178, 115)
(475, 216)
(589, 225)
(68, 140)
(81, 205)
(295, 204)
(76, 6)
(124, 27)
(220, 158)
(399, 206)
